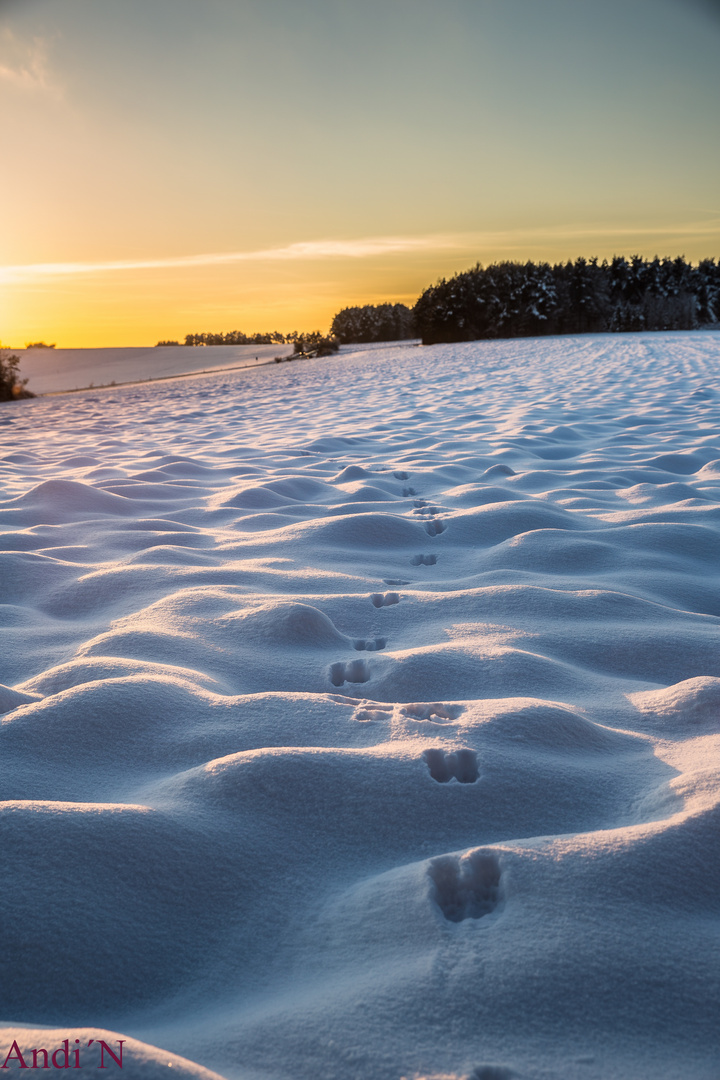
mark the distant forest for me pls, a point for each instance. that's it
(512, 299)
(381, 322)
(236, 337)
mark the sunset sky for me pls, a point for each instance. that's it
(171, 166)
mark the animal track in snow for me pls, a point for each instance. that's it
(466, 887)
(434, 528)
(400, 475)
(381, 712)
(409, 491)
(423, 560)
(418, 710)
(443, 766)
(424, 509)
(370, 645)
(378, 600)
(356, 671)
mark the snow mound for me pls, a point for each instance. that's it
(97, 1049)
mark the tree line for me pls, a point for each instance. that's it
(305, 343)
(236, 337)
(373, 322)
(381, 322)
(511, 299)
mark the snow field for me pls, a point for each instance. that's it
(360, 717)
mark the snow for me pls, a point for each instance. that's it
(54, 370)
(361, 716)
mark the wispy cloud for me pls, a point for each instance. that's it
(24, 65)
(473, 243)
(313, 249)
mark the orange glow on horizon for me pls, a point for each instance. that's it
(141, 305)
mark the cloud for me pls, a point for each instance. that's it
(371, 247)
(308, 250)
(24, 64)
